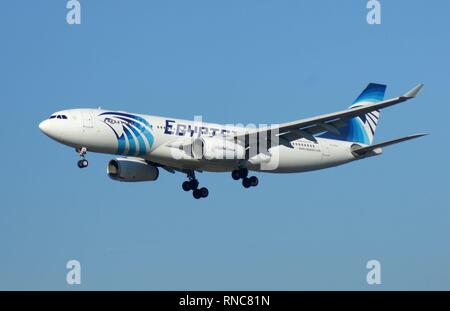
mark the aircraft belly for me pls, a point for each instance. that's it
(175, 158)
(283, 160)
(296, 160)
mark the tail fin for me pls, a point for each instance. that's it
(361, 129)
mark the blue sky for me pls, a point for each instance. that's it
(231, 62)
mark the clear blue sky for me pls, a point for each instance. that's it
(229, 61)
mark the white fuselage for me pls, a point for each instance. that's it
(101, 131)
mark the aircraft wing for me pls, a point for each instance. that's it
(331, 122)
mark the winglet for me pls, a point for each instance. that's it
(413, 93)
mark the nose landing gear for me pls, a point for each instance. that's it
(247, 182)
(82, 163)
(192, 184)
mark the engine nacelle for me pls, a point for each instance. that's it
(131, 170)
(217, 148)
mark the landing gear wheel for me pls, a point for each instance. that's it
(186, 186)
(254, 181)
(193, 184)
(236, 175)
(246, 182)
(83, 163)
(243, 173)
(204, 192)
(197, 194)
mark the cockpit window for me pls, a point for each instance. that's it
(59, 116)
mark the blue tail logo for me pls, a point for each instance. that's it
(361, 129)
(133, 133)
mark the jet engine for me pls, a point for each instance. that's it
(131, 170)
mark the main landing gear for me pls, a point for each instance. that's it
(82, 163)
(192, 184)
(247, 182)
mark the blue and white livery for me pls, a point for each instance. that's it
(145, 144)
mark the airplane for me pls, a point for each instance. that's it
(145, 144)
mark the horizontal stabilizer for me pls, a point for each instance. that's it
(365, 150)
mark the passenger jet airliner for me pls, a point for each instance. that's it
(146, 143)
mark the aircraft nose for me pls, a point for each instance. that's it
(48, 128)
(43, 126)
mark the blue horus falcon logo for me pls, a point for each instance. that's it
(133, 133)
